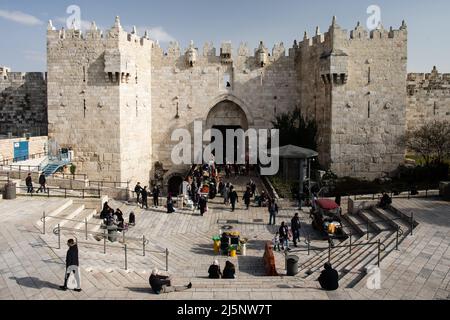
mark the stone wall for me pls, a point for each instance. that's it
(36, 145)
(99, 101)
(354, 86)
(428, 98)
(23, 103)
(256, 92)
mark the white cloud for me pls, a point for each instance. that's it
(20, 17)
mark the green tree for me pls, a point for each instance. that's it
(296, 130)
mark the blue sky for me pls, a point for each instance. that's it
(23, 24)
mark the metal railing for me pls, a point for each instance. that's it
(396, 194)
(68, 176)
(24, 158)
(380, 247)
(110, 184)
(60, 193)
(105, 235)
(21, 169)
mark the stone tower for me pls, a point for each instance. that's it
(355, 87)
(99, 100)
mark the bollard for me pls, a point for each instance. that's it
(86, 227)
(379, 252)
(350, 243)
(368, 229)
(48, 192)
(65, 193)
(412, 223)
(126, 258)
(396, 240)
(43, 223)
(329, 252)
(143, 246)
(309, 244)
(123, 234)
(104, 241)
(59, 236)
(167, 260)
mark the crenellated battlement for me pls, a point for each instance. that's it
(422, 79)
(335, 32)
(21, 76)
(113, 34)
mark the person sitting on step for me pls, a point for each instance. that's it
(214, 271)
(329, 278)
(163, 284)
(229, 271)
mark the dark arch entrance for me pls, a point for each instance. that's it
(175, 184)
(227, 115)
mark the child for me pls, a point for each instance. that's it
(276, 242)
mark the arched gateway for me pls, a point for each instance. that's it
(227, 115)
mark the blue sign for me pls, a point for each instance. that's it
(21, 152)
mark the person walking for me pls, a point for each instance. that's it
(295, 227)
(273, 211)
(72, 266)
(138, 191)
(226, 194)
(284, 236)
(42, 183)
(29, 183)
(203, 205)
(156, 193)
(144, 194)
(247, 198)
(233, 198)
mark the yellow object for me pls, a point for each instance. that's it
(233, 253)
(217, 246)
(331, 228)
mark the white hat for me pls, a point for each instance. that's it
(216, 263)
(155, 272)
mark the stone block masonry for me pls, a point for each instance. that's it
(23, 103)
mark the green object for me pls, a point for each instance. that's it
(216, 238)
(73, 169)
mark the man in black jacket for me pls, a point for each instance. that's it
(138, 190)
(156, 193)
(72, 265)
(329, 278)
(42, 183)
(144, 194)
(295, 227)
(29, 183)
(162, 284)
(233, 198)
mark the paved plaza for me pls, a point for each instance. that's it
(32, 266)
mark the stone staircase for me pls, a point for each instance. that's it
(351, 266)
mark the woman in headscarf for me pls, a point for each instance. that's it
(214, 271)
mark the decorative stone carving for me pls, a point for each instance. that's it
(262, 55)
(191, 55)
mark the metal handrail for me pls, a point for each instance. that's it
(58, 230)
(85, 193)
(24, 158)
(71, 220)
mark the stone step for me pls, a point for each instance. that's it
(356, 222)
(80, 223)
(375, 221)
(344, 260)
(68, 214)
(54, 210)
(370, 259)
(389, 215)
